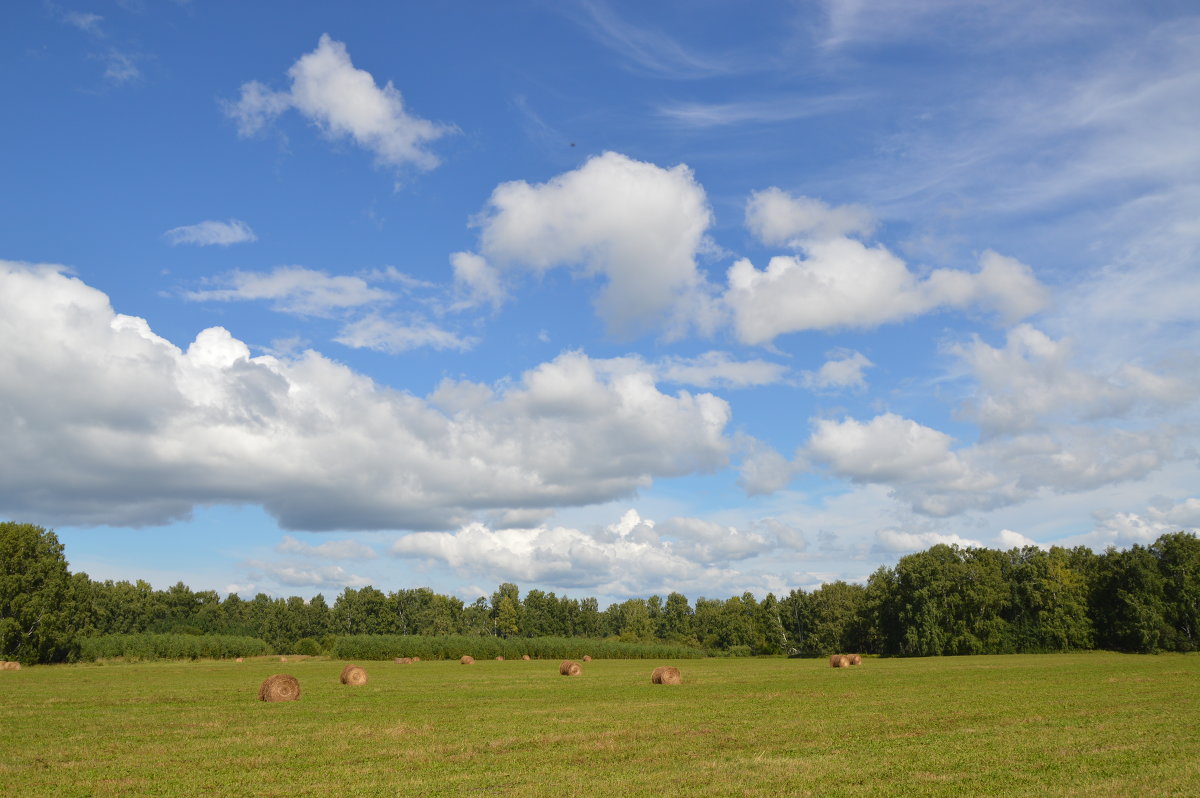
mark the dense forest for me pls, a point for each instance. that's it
(945, 600)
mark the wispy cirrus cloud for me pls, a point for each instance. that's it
(211, 233)
(293, 289)
(755, 112)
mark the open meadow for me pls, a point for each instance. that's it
(1078, 724)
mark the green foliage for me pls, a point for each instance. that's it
(307, 645)
(386, 647)
(170, 646)
(39, 603)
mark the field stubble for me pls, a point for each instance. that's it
(1070, 725)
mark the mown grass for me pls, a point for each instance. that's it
(1086, 724)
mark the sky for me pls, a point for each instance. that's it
(605, 298)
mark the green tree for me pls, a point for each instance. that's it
(36, 597)
(1178, 556)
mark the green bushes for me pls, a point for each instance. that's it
(385, 647)
(170, 646)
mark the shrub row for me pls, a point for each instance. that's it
(385, 647)
(169, 646)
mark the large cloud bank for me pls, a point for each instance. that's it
(105, 422)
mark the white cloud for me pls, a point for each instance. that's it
(342, 101)
(294, 289)
(648, 50)
(720, 370)
(776, 109)
(476, 281)
(330, 550)
(763, 470)
(208, 233)
(637, 225)
(843, 283)
(1007, 539)
(119, 66)
(777, 218)
(843, 370)
(394, 337)
(330, 577)
(86, 22)
(630, 557)
(141, 431)
(1032, 379)
(894, 541)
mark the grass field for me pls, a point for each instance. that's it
(1090, 724)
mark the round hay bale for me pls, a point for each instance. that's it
(280, 687)
(525, 657)
(665, 674)
(239, 659)
(587, 658)
(568, 668)
(467, 660)
(283, 659)
(416, 659)
(839, 661)
(11, 666)
(403, 660)
(499, 659)
(353, 675)
(855, 659)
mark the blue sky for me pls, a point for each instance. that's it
(604, 298)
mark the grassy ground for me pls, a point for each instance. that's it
(1089, 724)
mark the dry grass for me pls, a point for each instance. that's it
(353, 675)
(280, 687)
(666, 674)
(569, 668)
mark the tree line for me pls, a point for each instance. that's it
(945, 600)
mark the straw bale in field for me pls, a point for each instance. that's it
(416, 659)
(665, 674)
(525, 657)
(239, 659)
(353, 675)
(403, 660)
(280, 687)
(587, 658)
(467, 660)
(568, 668)
(839, 661)
(283, 659)
(499, 659)
(855, 659)
(10, 666)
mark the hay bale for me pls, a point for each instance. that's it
(353, 675)
(587, 658)
(283, 659)
(499, 659)
(855, 659)
(403, 660)
(10, 666)
(525, 657)
(839, 661)
(467, 660)
(569, 668)
(416, 659)
(665, 674)
(239, 659)
(280, 687)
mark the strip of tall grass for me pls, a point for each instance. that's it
(384, 647)
(144, 647)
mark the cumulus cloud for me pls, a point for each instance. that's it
(843, 370)
(329, 577)
(330, 550)
(720, 370)
(343, 101)
(631, 556)
(635, 224)
(763, 470)
(139, 431)
(208, 233)
(294, 289)
(777, 218)
(1008, 539)
(476, 281)
(843, 283)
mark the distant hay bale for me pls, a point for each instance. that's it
(525, 657)
(665, 674)
(239, 659)
(416, 659)
(855, 659)
(467, 660)
(499, 659)
(10, 666)
(569, 668)
(839, 661)
(587, 658)
(403, 660)
(283, 659)
(353, 675)
(280, 687)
